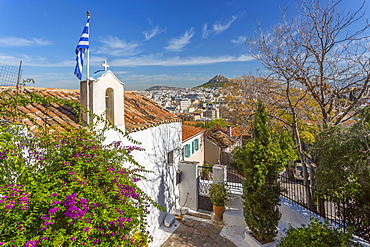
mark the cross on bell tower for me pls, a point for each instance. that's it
(105, 65)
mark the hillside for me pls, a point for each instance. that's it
(217, 81)
(158, 88)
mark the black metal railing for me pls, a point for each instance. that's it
(235, 178)
(325, 205)
(333, 208)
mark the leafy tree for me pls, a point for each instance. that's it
(308, 51)
(317, 234)
(343, 154)
(323, 53)
(66, 188)
(241, 96)
(261, 159)
(214, 123)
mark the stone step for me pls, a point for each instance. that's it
(234, 211)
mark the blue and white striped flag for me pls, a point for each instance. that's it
(83, 45)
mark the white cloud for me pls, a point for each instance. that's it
(205, 31)
(153, 32)
(158, 60)
(116, 47)
(239, 40)
(148, 60)
(26, 60)
(136, 61)
(177, 44)
(36, 61)
(16, 41)
(219, 27)
(9, 60)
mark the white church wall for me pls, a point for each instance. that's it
(160, 183)
(158, 142)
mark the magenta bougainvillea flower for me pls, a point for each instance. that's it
(70, 189)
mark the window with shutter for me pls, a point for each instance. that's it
(196, 144)
(187, 149)
(192, 147)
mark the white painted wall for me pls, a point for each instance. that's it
(157, 141)
(160, 184)
(189, 184)
(198, 155)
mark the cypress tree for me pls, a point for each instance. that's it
(261, 161)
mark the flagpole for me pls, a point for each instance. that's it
(88, 53)
(87, 75)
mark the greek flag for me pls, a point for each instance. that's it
(83, 44)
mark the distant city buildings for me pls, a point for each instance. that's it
(190, 104)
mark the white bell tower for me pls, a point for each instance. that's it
(106, 96)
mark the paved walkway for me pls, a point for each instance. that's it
(193, 232)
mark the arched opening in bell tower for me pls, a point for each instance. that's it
(109, 105)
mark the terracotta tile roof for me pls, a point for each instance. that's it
(140, 112)
(190, 131)
(193, 123)
(54, 115)
(238, 131)
(221, 139)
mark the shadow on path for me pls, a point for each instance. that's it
(193, 232)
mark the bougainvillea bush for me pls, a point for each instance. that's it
(65, 188)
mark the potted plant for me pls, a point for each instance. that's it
(219, 197)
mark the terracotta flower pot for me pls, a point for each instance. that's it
(219, 211)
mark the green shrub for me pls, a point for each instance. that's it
(317, 234)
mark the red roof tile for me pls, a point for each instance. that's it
(193, 123)
(190, 131)
(238, 131)
(221, 139)
(140, 112)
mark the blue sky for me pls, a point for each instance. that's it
(146, 42)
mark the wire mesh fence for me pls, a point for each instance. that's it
(9, 75)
